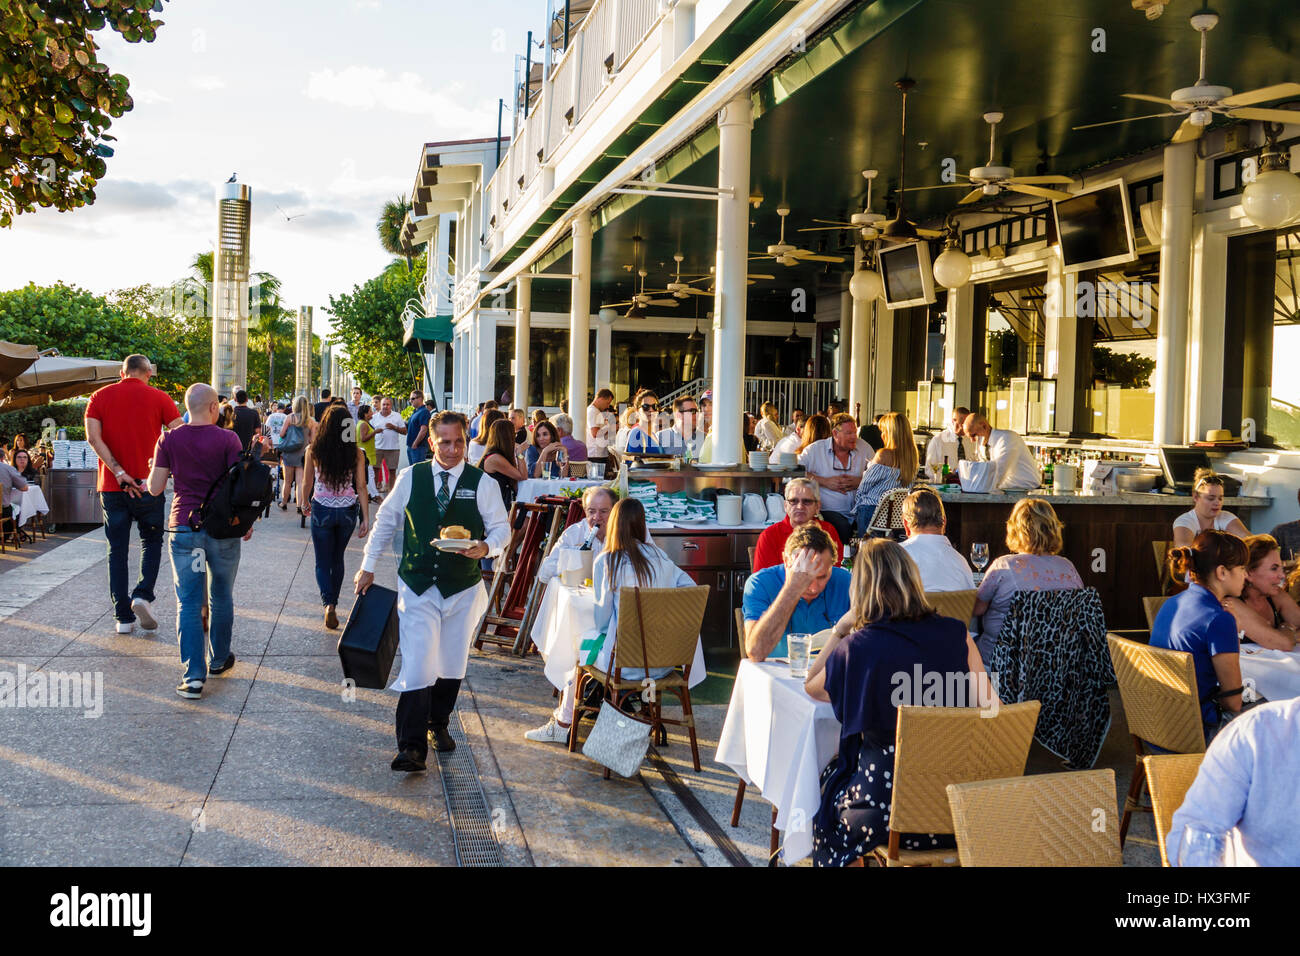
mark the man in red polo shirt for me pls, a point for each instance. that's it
(802, 502)
(123, 422)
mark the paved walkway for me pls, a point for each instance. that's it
(276, 766)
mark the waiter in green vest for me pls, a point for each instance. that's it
(440, 594)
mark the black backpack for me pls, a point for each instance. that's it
(236, 499)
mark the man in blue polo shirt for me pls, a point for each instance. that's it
(804, 594)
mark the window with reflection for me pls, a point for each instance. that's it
(662, 361)
(1010, 318)
(1118, 315)
(1261, 387)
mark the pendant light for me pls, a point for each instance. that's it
(793, 338)
(1273, 199)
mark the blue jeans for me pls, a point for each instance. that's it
(147, 511)
(330, 530)
(201, 562)
(416, 455)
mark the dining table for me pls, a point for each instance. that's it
(530, 489)
(27, 504)
(1274, 674)
(778, 739)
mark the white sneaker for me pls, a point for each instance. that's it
(125, 627)
(550, 733)
(144, 613)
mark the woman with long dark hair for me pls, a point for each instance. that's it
(477, 447)
(499, 460)
(544, 449)
(332, 493)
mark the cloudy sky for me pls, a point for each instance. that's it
(320, 106)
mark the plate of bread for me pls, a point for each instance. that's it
(454, 538)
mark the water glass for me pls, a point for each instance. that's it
(1202, 847)
(799, 647)
(979, 556)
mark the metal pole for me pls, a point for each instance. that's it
(500, 106)
(566, 24)
(528, 72)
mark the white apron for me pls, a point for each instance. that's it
(435, 633)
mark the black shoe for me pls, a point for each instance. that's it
(190, 689)
(442, 741)
(408, 761)
(218, 669)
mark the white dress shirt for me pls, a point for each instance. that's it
(819, 459)
(390, 522)
(607, 423)
(942, 566)
(1017, 470)
(768, 431)
(943, 447)
(386, 440)
(1247, 781)
(790, 443)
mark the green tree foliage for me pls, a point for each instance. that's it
(389, 226)
(57, 99)
(188, 337)
(367, 321)
(1122, 368)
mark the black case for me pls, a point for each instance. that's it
(369, 642)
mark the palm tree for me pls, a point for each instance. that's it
(389, 226)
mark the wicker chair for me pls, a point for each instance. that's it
(957, 604)
(1161, 705)
(1050, 819)
(937, 746)
(1169, 776)
(1152, 605)
(673, 617)
(887, 519)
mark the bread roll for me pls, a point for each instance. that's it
(455, 531)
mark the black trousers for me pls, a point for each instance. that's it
(843, 524)
(419, 710)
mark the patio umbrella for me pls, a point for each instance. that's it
(56, 377)
(14, 360)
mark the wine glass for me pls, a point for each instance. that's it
(1202, 847)
(936, 469)
(979, 556)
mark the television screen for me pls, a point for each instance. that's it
(1180, 464)
(1094, 228)
(905, 270)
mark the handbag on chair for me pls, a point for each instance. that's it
(618, 740)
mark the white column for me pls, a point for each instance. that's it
(735, 122)
(959, 344)
(439, 376)
(1061, 344)
(523, 324)
(1175, 280)
(580, 315)
(486, 355)
(604, 346)
(859, 394)
(882, 399)
(845, 353)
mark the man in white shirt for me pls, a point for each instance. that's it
(685, 432)
(274, 422)
(942, 567)
(602, 424)
(440, 595)
(389, 428)
(837, 463)
(951, 445)
(796, 422)
(1007, 450)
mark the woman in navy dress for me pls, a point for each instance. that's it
(896, 630)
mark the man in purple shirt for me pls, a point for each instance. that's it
(195, 456)
(564, 425)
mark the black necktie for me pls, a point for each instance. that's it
(961, 449)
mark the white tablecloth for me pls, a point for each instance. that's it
(565, 615)
(530, 489)
(29, 503)
(1274, 674)
(779, 739)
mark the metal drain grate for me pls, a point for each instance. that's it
(467, 809)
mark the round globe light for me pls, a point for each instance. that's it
(608, 316)
(866, 285)
(1272, 200)
(952, 268)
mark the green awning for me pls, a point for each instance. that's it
(421, 333)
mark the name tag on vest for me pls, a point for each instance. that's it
(466, 493)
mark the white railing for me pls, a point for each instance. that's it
(609, 34)
(787, 394)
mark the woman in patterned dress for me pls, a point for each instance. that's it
(896, 631)
(894, 466)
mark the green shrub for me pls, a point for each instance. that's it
(27, 421)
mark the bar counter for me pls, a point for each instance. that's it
(1109, 538)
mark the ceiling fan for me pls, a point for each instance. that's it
(1200, 102)
(788, 254)
(991, 180)
(867, 222)
(900, 228)
(640, 300)
(750, 278)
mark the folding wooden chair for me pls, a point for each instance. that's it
(1158, 689)
(512, 583)
(938, 746)
(9, 526)
(1049, 819)
(1169, 777)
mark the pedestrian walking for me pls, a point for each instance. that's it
(417, 428)
(440, 594)
(122, 425)
(195, 456)
(389, 428)
(332, 494)
(247, 422)
(295, 434)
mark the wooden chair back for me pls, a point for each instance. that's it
(957, 604)
(937, 746)
(1158, 689)
(1050, 819)
(1169, 777)
(1152, 605)
(672, 620)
